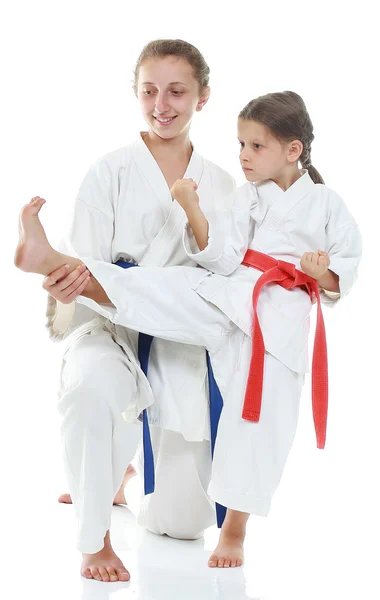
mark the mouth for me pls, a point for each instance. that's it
(164, 121)
(246, 169)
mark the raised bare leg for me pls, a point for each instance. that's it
(34, 254)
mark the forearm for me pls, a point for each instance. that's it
(95, 291)
(329, 281)
(199, 225)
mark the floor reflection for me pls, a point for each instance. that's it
(166, 569)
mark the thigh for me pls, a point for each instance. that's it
(95, 363)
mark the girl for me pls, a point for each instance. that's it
(124, 210)
(283, 220)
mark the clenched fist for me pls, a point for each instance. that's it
(184, 192)
(315, 264)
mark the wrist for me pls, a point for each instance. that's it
(329, 281)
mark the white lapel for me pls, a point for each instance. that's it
(170, 235)
(280, 203)
(152, 172)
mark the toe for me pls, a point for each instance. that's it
(87, 573)
(239, 562)
(104, 574)
(123, 574)
(112, 574)
(95, 573)
(64, 499)
(221, 562)
(233, 563)
(227, 563)
(213, 561)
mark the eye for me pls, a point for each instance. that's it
(257, 146)
(177, 92)
(241, 144)
(147, 92)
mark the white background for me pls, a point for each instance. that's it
(66, 75)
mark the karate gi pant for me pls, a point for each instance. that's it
(98, 444)
(249, 458)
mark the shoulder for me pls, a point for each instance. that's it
(336, 208)
(112, 162)
(99, 187)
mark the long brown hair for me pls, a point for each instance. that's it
(181, 49)
(286, 116)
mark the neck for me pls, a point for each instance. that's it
(286, 180)
(179, 146)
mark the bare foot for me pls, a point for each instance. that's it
(104, 565)
(33, 246)
(229, 551)
(120, 496)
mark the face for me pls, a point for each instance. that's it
(169, 95)
(262, 156)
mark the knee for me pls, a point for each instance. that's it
(177, 532)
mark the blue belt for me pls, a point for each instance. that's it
(216, 405)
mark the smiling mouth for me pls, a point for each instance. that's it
(165, 121)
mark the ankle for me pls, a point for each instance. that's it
(234, 532)
(107, 541)
(235, 524)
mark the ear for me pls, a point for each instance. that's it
(295, 149)
(205, 95)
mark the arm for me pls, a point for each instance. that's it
(344, 247)
(336, 268)
(183, 191)
(229, 234)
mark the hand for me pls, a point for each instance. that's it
(315, 264)
(183, 191)
(66, 287)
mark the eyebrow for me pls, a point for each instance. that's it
(171, 83)
(254, 141)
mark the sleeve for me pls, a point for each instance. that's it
(229, 234)
(344, 247)
(90, 234)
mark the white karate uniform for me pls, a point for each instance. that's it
(124, 210)
(192, 305)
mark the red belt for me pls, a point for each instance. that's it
(286, 275)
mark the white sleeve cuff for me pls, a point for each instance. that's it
(332, 295)
(214, 247)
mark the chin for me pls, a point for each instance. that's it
(167, 134)
(251, 176)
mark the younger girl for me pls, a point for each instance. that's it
(287, 220)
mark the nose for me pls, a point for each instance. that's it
(161, 103)
(243, 155)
